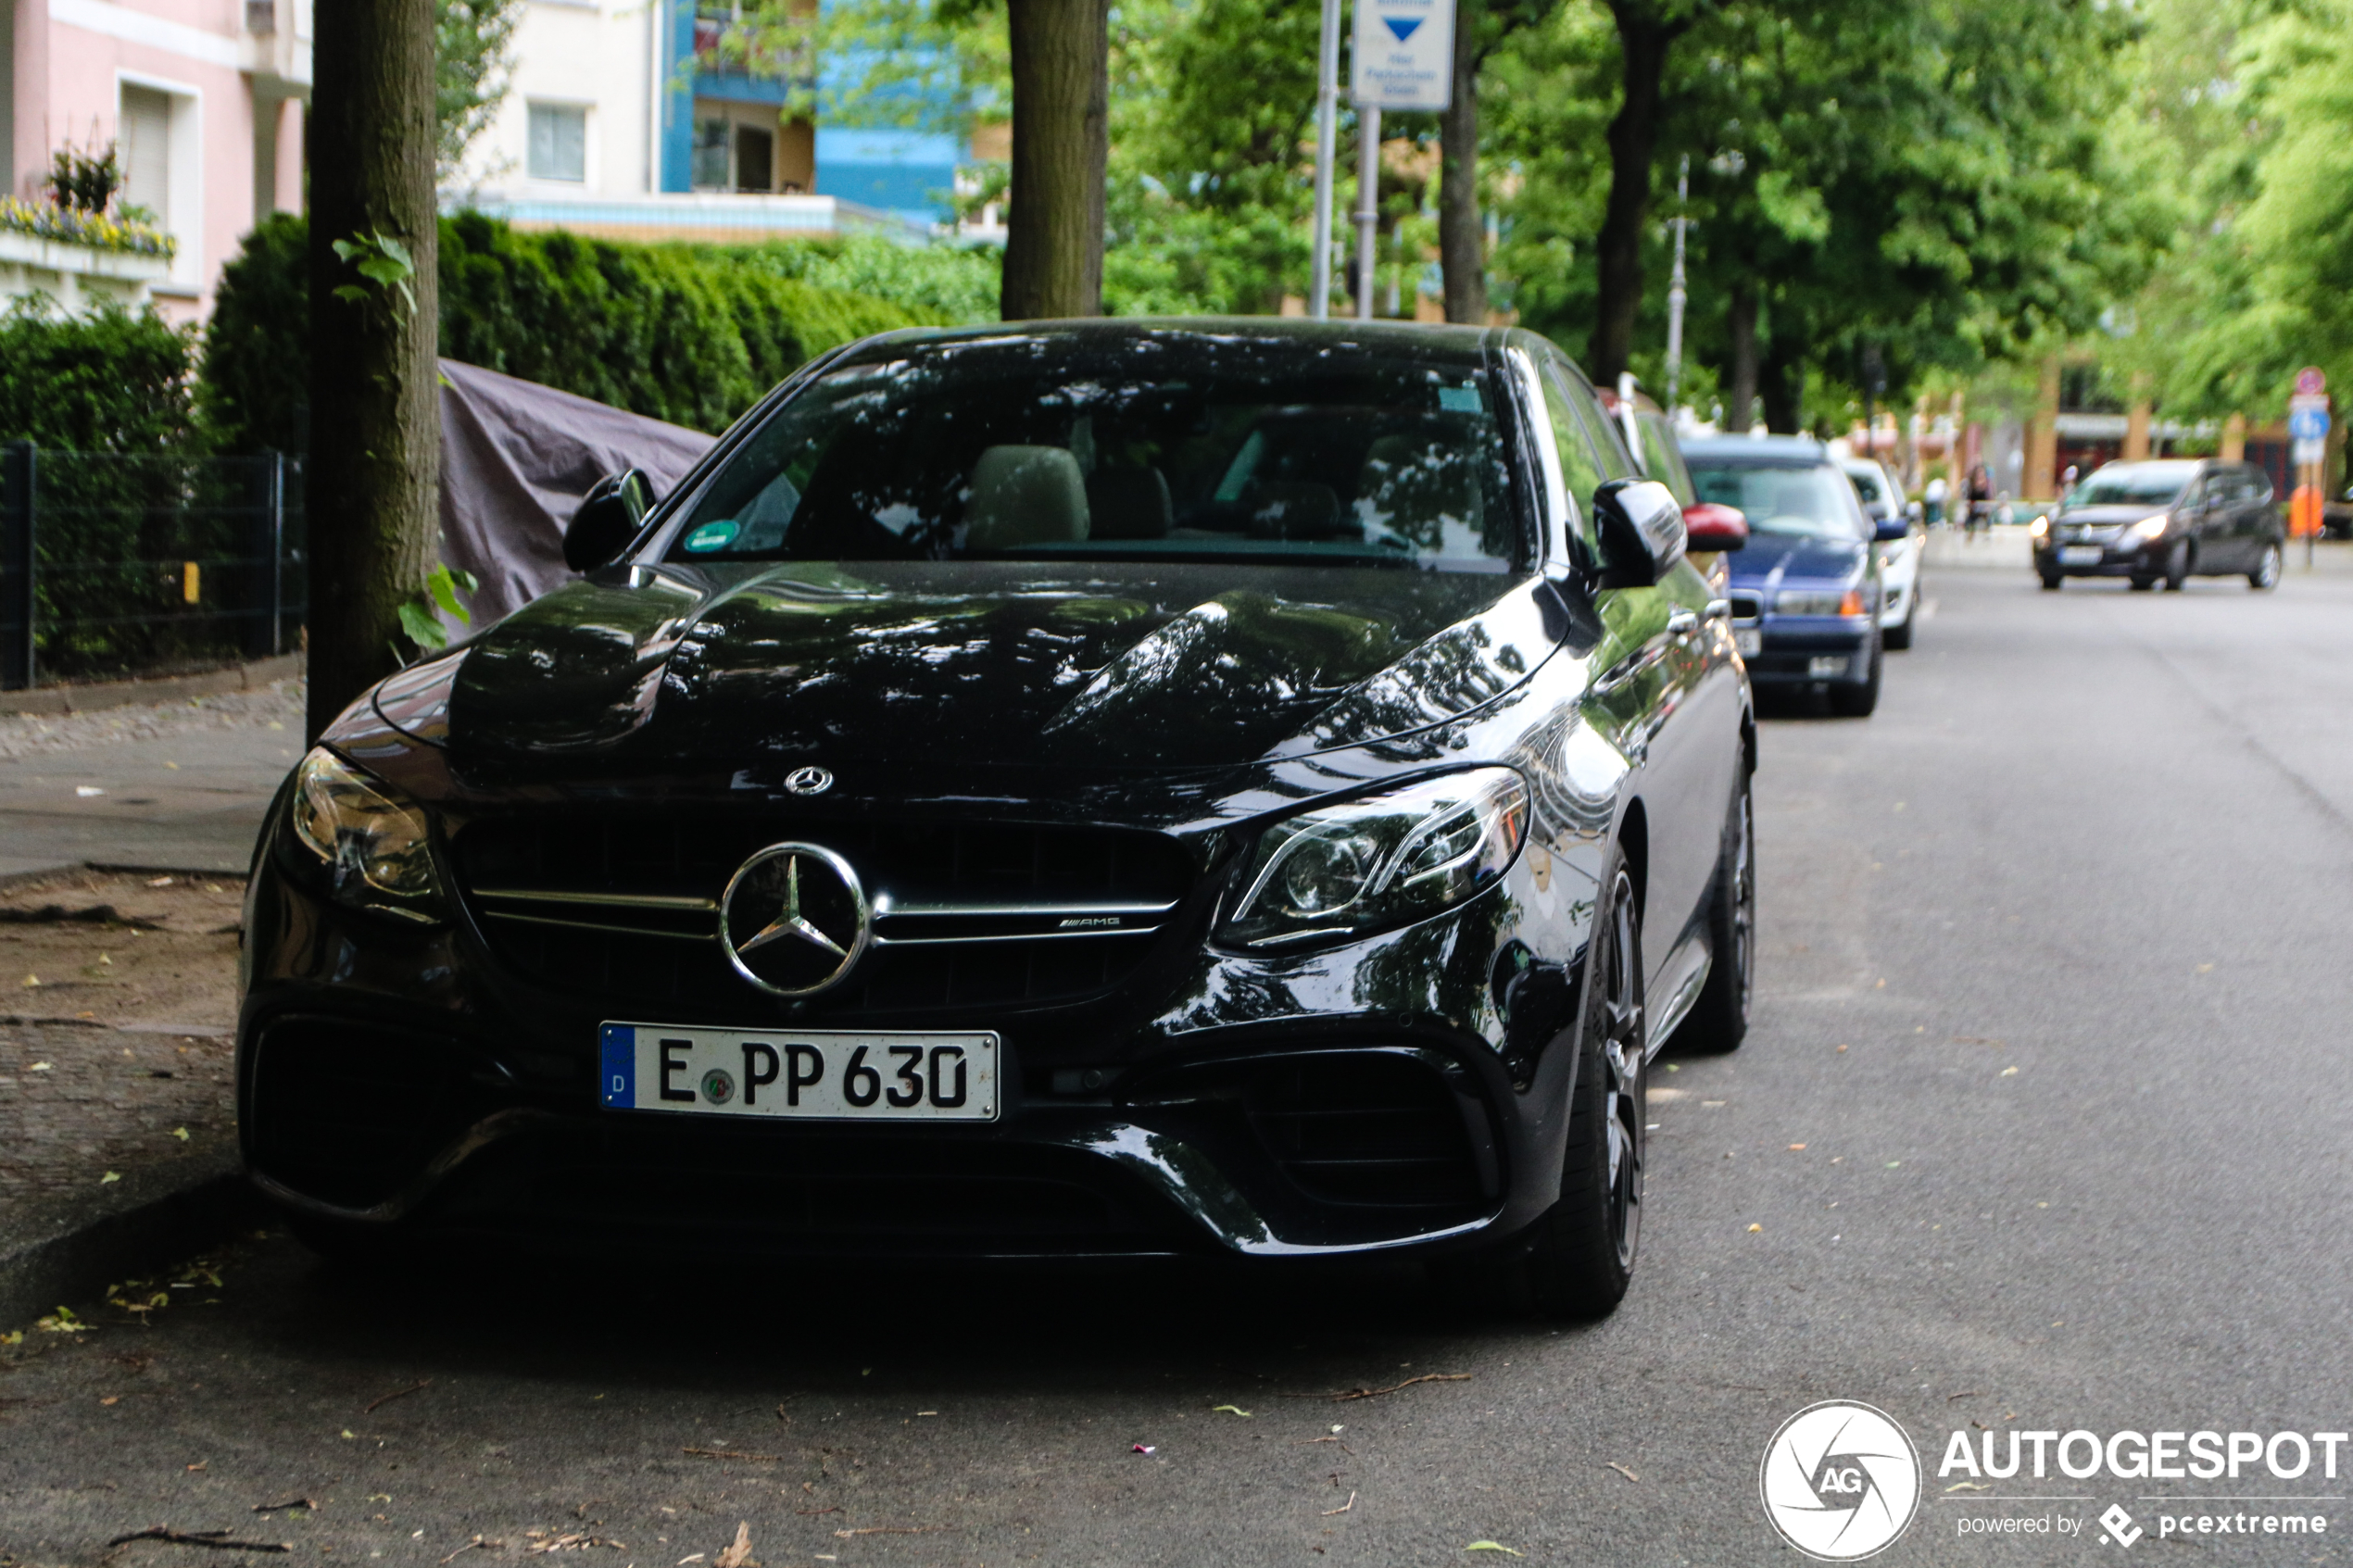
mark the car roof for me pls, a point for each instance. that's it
(1754, 451)
(1412, 339)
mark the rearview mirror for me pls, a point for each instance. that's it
(610, 516)
(1642, 532)
(1709, 525)
(1887, 527)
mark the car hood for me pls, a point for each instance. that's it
(957, 664)
(1771, 559)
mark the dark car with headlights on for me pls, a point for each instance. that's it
(2163, 519)
(1806, 588)
(1241, 788)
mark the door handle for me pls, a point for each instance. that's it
(1718, 609)
(1681, 622)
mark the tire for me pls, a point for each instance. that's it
(1579, 1257)
(2266, 575)
(1857, 702)
(2177, 567)
(1719, 1021)
(2143, 584)
(2051, 581)
(1900, 635)
(359, 1247)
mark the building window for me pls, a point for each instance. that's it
(147, 151)
(708, 171)
(559, 143)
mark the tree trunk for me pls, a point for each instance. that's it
(375, 443)
(1062, 141)
(1781, 386)
(1643, 38)
(1461, 234)
(1738, 407)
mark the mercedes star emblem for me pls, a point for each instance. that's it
(809, 780)
(794, 919)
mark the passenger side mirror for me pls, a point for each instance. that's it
(1887, 527)
(1708, 526)
(1642, 532)
(610, 516)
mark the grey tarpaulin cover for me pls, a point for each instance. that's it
(516, 458)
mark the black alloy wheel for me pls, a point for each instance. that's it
(1719, 1021)
(2177, 566)
(2266, 575)
(1580, 1256)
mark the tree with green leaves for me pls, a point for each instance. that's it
(473, 56)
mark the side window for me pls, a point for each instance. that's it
(1583, 463)
(2258, 484)
(1663, 458)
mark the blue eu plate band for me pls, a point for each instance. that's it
(620, 1080)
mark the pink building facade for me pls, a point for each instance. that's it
(202, 100)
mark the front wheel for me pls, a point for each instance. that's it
(1580, 1256)
(1719, 1021)
(2266, 574)
(2051, 581)
(2177, 567)
(1900, 634)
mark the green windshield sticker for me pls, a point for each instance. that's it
(1460, 399)
(712, 537)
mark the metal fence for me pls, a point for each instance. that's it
(115, 565)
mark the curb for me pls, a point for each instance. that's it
(78, 1264)
(53, 701)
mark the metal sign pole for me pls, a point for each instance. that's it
(1675, 294)
(1319, 304)
(1368, 203)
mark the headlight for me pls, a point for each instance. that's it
(1343, 870)
(2150, 527)
(1819, 601)
(376, 846)
(2040, 528)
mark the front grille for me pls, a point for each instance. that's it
(968, 915)
(346, 1112)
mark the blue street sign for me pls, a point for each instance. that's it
(2308, 424)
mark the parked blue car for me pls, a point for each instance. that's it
(1806, 591)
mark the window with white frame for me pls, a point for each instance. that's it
(559, 142)
(147, 151)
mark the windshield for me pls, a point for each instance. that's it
(2133, 484)
(1170, 446)
(1815, 503)
(1868, 482)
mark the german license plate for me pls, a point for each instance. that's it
(815, 1075)
(2079, 554)
(1749, 640)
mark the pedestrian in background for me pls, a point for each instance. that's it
(1932, 498)
(1980, 496)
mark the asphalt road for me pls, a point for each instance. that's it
(2053, 984)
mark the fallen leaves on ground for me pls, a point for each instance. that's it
(217, 1540)
(1492, 1545)
(1236, 1409)
(738, 1552)
(1621, 1470)
(1343, 1508)
(1343, 1394)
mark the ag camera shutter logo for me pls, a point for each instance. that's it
(1840, 1480)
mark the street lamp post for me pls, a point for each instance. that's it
(1367, 200)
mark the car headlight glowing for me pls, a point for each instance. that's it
(1337, 873)
(2150, 527)
(1819, 601)
(2040, 528)
(376, 845)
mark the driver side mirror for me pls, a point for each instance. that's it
(608, 517)
(1710, 525)
(1887, 527)
(1642, 532)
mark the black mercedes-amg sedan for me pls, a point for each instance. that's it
(1241, 787)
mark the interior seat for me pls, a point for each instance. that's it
(1024, 495)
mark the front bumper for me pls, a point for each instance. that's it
(1400, 1092)
(2075, 559)
(1795, 650)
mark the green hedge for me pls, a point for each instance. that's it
(111, 380)
(693, 334)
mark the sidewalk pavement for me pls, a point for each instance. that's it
(2012, 549)
(117, 992)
